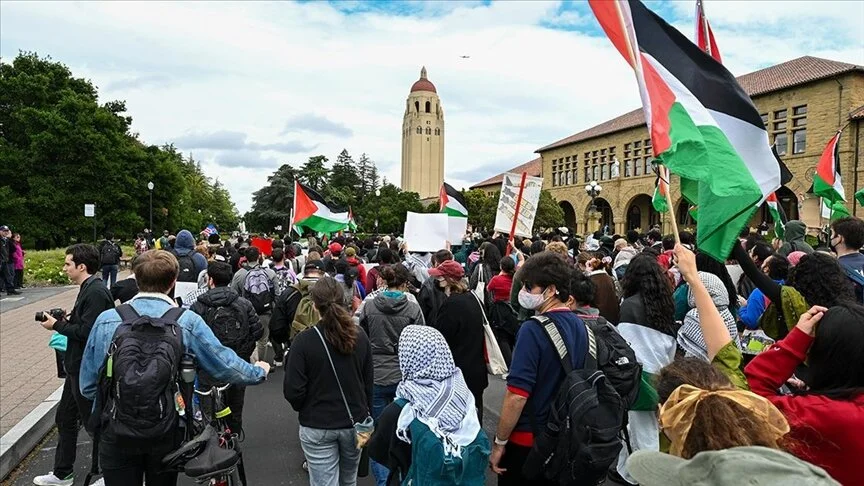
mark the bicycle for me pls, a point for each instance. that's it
(236, 474)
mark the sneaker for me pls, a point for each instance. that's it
(100, 482)
(305, 466)
(277, 364)
(51, 480)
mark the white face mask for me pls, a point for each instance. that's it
(531, 301)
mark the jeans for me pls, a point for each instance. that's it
(19, 279)
(131, 462)
(109, 271)
(382, 395)
(331, 455)
(73, 411)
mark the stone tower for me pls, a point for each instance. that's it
(423, 140)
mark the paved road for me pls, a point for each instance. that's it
(29, 295)
(271, 451)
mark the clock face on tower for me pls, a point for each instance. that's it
(423, 140)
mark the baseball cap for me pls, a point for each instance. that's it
(314, 265)
(4, 228)
(335, 248)
(350, 252)
(448, 269)
(750, 465)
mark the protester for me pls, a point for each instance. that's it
(293, 311)
(384, 257)
(109, 255)
(356, 263)
(128, 461)
(690, 338)
(846, 240)
(605, 295)
(418, 263)
(536, 371)
(334, 254)
(500, 285)
(827, 417)
(140, 244)
(18, 261)
(329, 369)
(460, 321)
(285, 275)
(647, 323)
(624, 253)
(7, 265)
(353, 290)
(777, 269)
(384, 318)
(258, 285)
(708, 264)
(81, 264)
(124, 290)
(235, 324)
(191, 262)
(488, 266)
(502, 316)
(793, 238)
(433, 392)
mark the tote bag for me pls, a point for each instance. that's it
(495, 363)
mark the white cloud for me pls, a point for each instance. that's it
(227, 79)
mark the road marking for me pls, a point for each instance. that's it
(11, 299)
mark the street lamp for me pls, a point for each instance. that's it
(593, 190)
(377, 205)
(150, 186)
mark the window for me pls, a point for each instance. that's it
(637, 144)
(569, 177)
(604, 172)
(626, 168)
(419, 131)
(567, 159)
(587, 175)
(637, 168)
(595, 173)
(781, 125)
(649, 166)
(428, 131)
(780, 141)
(799, 141)
(637, 152)
(428, 107)
(603, 151)
(764, 119)
(417, 106)
(781, 114)
(799, 110)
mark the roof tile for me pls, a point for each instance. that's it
(533, 168)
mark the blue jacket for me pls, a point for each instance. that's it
(185, 245)
(756, 305)
(218, 361)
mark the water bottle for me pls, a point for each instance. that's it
(187, 369)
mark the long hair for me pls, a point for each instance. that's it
(329, 299)
(821, 281)
(647, 278)
(836, 358)
(491, 257)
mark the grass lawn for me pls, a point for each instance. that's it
(45, 267)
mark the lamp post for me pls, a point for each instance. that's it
(150, 186)
(593, 190)
(377, 205)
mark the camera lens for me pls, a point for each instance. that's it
(40, 316)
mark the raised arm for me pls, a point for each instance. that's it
(763, 282)
(713, 328)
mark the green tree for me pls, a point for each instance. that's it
(314, 173)
(390, 208)
(343, 183)
(271, 205)
(549, 213)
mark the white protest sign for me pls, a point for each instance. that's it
(182, 289)
(527, 208)
(426, 232)
(456, 229)
(89, 210)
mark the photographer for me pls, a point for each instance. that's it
(82, 263)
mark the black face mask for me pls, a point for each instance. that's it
(831, 245)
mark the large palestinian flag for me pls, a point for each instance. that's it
(703, 125)
(452, 202)
(312, 211)
(826, 180)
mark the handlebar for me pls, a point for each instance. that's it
(209, 392)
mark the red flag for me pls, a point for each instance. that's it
(704, 34)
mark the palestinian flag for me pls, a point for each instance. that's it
(777, 214)
(859, 196)
(704, 34)
(703, 125)
(312, 211)
(834, 210)
(826, 180)
(352, 224)
(661, 189)
(452, 202)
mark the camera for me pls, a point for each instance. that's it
(58, 314)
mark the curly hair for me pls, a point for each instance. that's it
(647, 278)
(821, 281)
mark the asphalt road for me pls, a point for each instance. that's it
(29, 295)
(271, 451)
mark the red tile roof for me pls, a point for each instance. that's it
(781, 76)
(533, 168)
(857, 113)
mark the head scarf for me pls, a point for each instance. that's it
(679, 411)
(690, 337)
(435, 390)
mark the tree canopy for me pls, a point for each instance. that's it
(61, 149)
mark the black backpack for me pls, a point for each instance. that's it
(139, 378)
(580, 440)
(616, 359)
(230, 325)
(187, 268)
(110, 253)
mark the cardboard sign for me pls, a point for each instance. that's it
(527, 209)
(456, 228)
(426, 232)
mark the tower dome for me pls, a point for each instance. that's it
(423, 84)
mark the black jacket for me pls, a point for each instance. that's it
(386, 448)
(430, 299)
(93, 299)
(460, 321)
(311, 387)
(5, 250)
(225, 297)
(124, 290)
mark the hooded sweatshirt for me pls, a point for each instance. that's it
(225, 297)
(794, 236)
(184, 245)
(383, 319)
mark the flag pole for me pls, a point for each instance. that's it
(516, 214)
(704, 21)
(635, 63)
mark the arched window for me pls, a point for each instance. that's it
(428, 107)
(437, 131)
(417, 106)
(428, 131)
(419, 131)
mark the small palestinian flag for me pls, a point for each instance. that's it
(859, 196)
(826, 180)
(452, 202)
(352, 225)
(704, 34)
(704, 127)
(312, 211)
(661, 189)
(777, 214)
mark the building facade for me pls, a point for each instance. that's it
(423, 140)
(803, 103)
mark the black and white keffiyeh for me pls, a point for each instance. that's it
(690, 337)
(435, 389)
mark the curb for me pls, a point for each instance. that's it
(16, 444)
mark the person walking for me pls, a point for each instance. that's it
(7, 267)
(329, 381)
(109, 254)
(18, 261)
(258, 285)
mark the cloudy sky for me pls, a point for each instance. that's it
(246, 87)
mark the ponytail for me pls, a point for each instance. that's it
(339, 328)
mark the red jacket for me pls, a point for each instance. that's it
(828, 433)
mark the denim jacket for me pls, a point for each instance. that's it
(218, 361)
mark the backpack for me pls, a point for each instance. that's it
(110, 253)
(285, 279)
(431, 465)
(580, 440)
(855, 277)
(258, 288)
(231, 326)
(305, 317)
(139, 379)
(616, 359)
(187, 269)
(502, 316)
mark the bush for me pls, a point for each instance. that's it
(45, 267)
